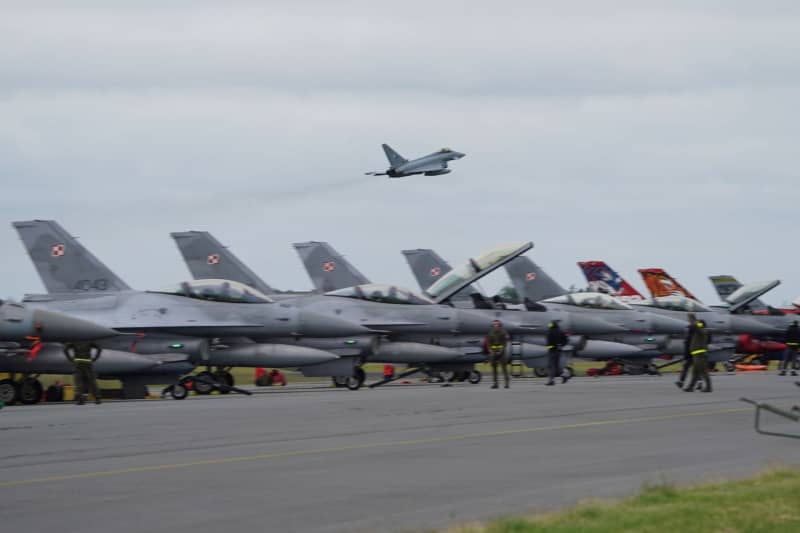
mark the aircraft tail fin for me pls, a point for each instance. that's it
(62, 262)
(327, 268)
(395, 159)
(207, 258)
(603, 278)
(661, 284)
(428, 266)
(531, 281)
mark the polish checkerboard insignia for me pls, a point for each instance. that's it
(530, 276)
(213, 259)
(328, 266)
(435, 272)
(57, 250)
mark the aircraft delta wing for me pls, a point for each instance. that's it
(434, 164)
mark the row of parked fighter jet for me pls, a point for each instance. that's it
(228, 317)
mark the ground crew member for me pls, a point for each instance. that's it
(82, 358)
(496, 342)
(698, 350)
(792, 343)
(556, 339)
(687, 359)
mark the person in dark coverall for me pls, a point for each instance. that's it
(792, 341)
(687, 359)
(698, 350)
(82, 358)
(556, 339)
(496, 342)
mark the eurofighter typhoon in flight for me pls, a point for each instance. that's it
(434, 164)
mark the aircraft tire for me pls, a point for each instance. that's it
(179, 391)
(226, 378)
(448, 376)
(9, 393)
(353, 383)
(730, 367)
(339, 381)
(201, 387)
(652, 370)
(540, 372)
(359, 373)
(30, 391)
(474, 377)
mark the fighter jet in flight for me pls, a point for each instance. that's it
(434, 164)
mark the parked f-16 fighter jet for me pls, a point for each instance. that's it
(28, 348)
(527, 345)
(417, 331)
(215, 322)
(434, 164)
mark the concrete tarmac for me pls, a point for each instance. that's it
(397, 458)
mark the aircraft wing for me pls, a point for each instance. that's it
(429, 167)
(375, 173)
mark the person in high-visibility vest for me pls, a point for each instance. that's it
(792, 341)
(698, 351)
(687, 358)
(82, 357)
(556, 339)
(496, 342)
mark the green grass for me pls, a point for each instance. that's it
(767, 503)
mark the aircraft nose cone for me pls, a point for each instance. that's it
(753, 326)
(459, 155)
(315, 324)
(667, 325)
(60, 327)
(584, 324)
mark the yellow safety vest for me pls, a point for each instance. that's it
(700, 351)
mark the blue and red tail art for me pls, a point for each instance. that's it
(603, 278)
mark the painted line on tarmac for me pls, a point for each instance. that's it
(356, 447)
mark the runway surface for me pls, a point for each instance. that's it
(397, 458)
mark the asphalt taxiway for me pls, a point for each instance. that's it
(395, 458)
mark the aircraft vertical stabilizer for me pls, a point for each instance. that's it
(661, 284)
(327, 268)
(530, 281)
(395, 159)
(63, 264)
(603, 278)
(428, 266)
(206, 258)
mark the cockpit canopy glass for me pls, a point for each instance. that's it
(593, 300)
(387, 294)
(468, 270)
(219, 290)
(677, 303)
(751, 291)
(445, 150)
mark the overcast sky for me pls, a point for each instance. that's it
(645, 134)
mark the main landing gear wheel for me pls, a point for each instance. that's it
(203, 384)
(179, 391)
(474, 377)
(447, 375)
(353, 383)
(339, 381)
(8, 391)
(30, 391)
(359, 373)
(540, 372)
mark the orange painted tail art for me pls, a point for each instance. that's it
(661, 284)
